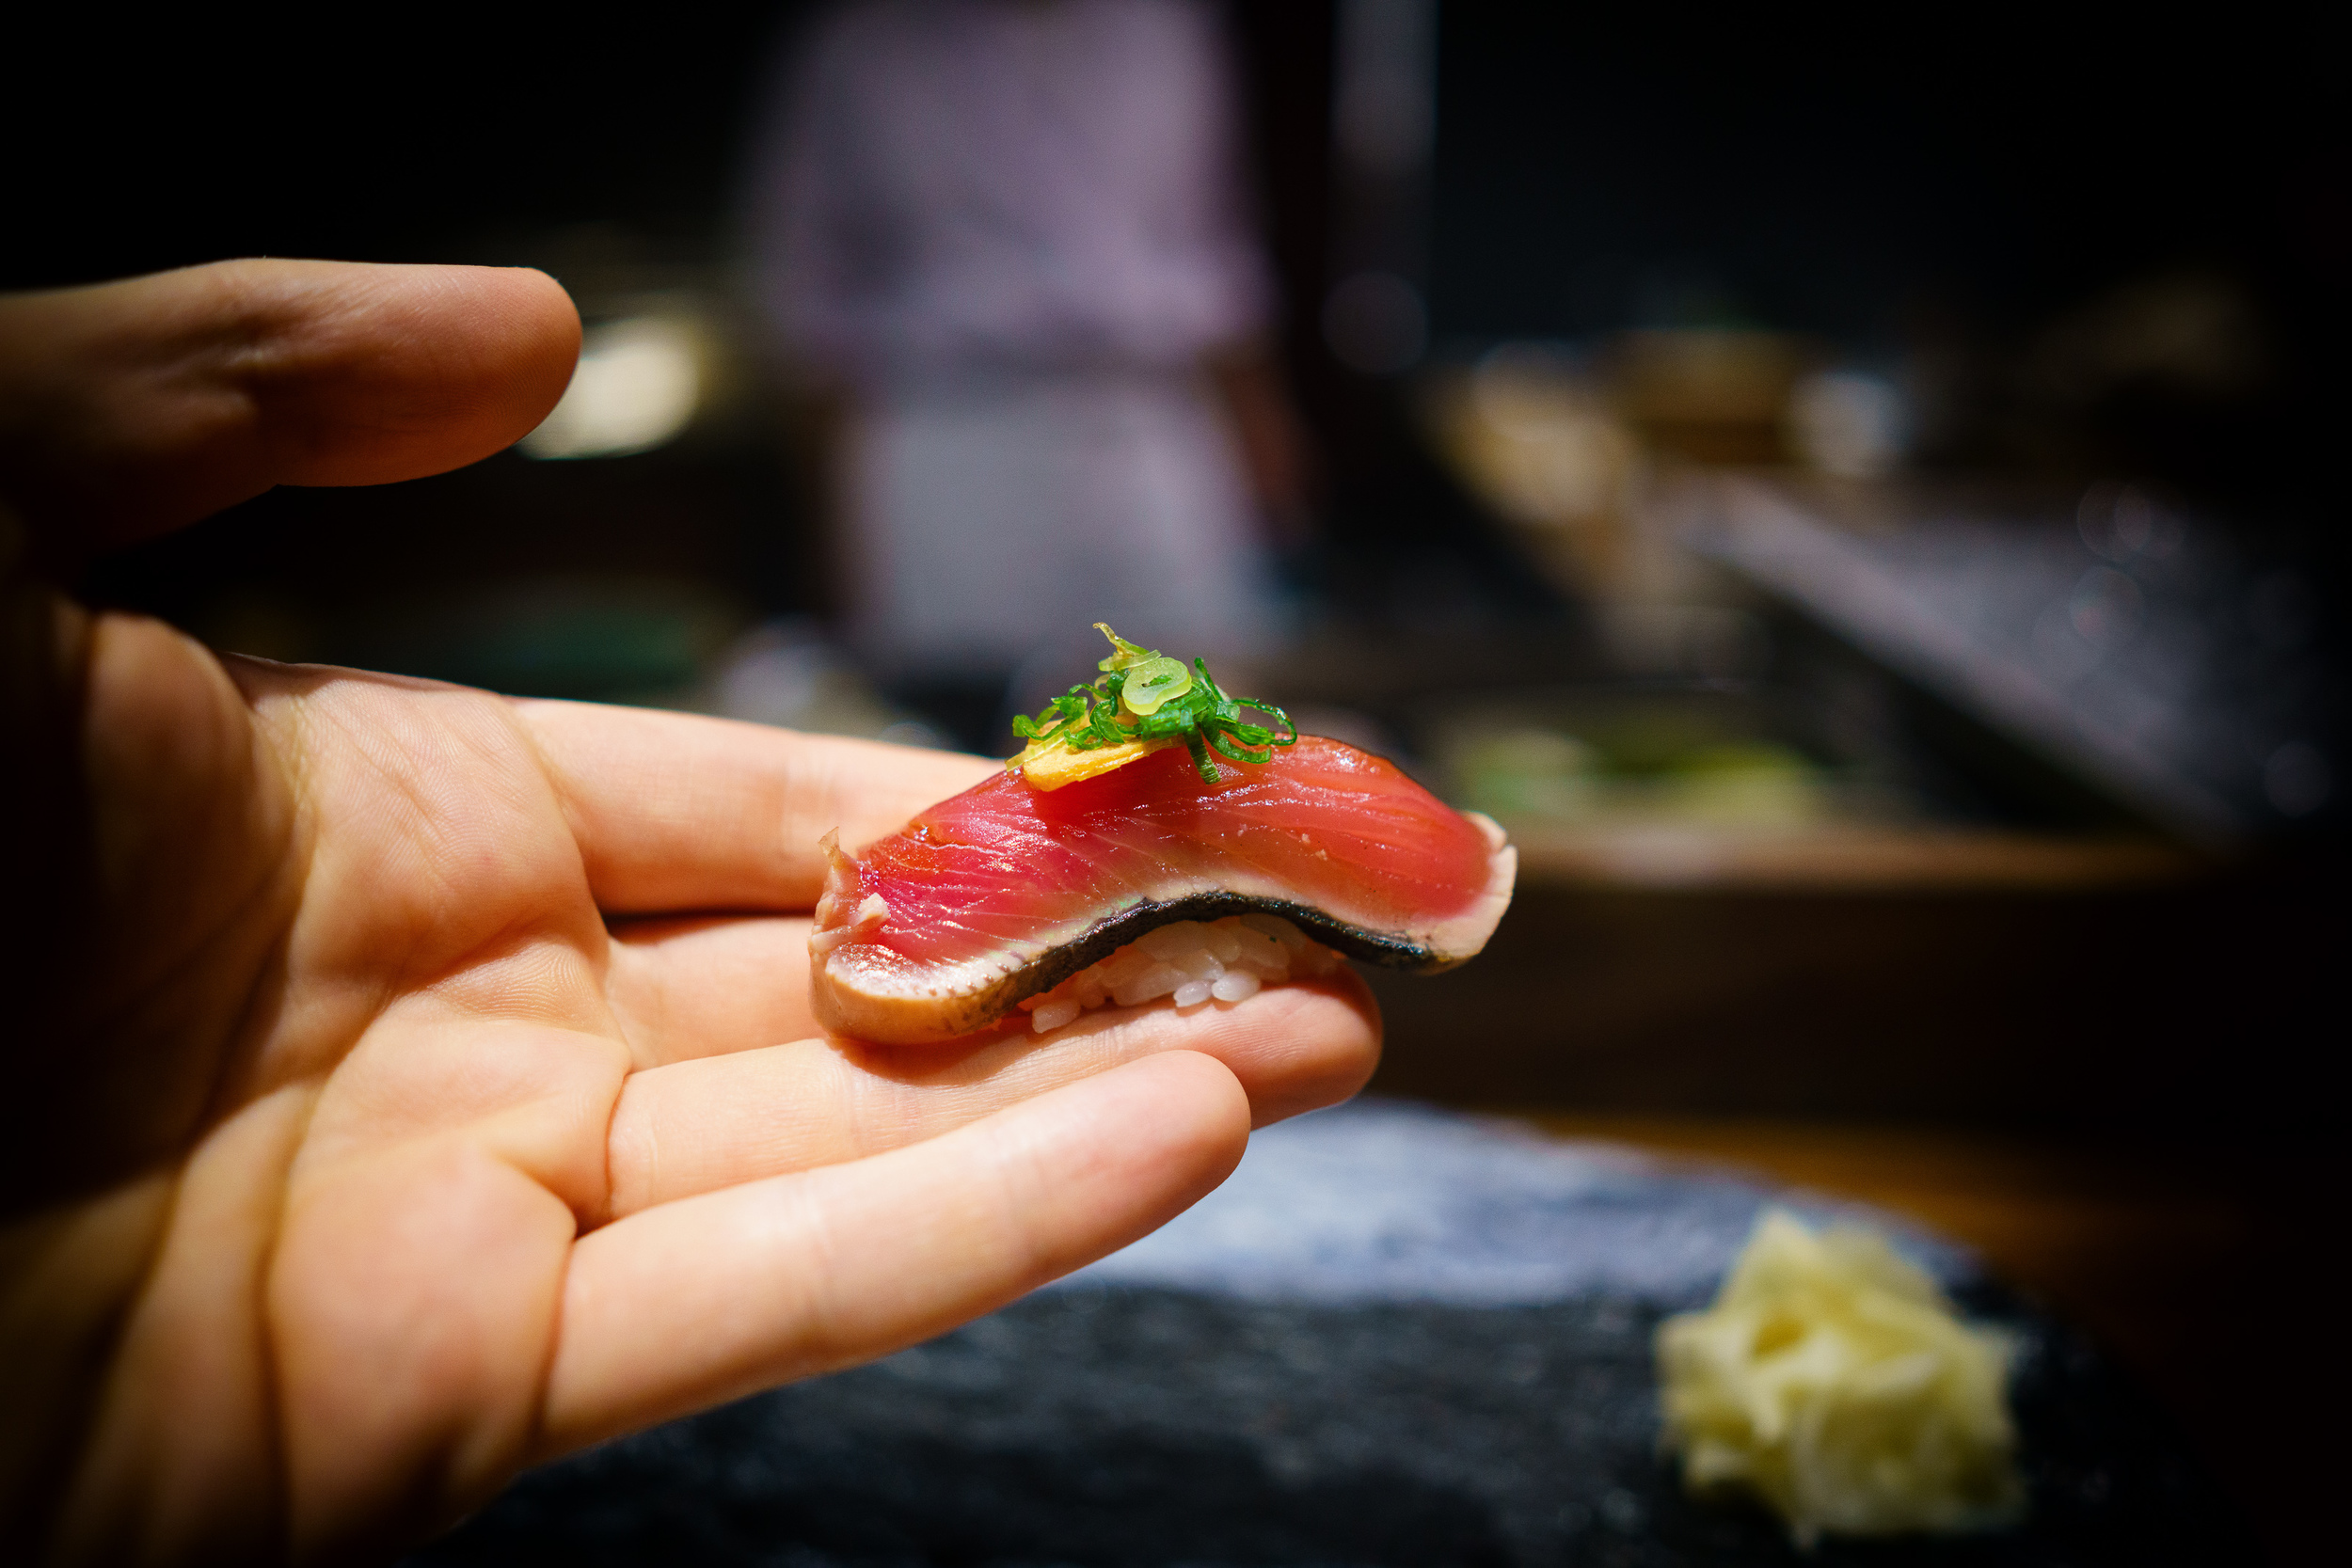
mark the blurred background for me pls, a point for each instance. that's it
(1859, 500)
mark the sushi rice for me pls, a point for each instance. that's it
(1190, 962)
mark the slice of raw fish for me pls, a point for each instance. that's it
(1006, 890)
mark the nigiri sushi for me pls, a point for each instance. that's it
(1154, 874)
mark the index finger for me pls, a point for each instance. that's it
(677, 812)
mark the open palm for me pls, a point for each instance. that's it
(421, 1084)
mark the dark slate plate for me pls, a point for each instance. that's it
(1336, 1361)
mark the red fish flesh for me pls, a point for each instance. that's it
(1006, 890)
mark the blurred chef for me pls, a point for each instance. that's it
(1007, 240)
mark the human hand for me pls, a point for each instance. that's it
(417, 1084)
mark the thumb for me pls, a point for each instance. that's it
(130, 408)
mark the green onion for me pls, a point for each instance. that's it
(1145, 695)
(1152, 683)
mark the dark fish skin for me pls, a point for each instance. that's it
(1117, 931)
